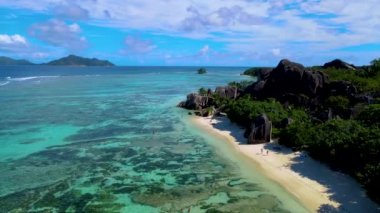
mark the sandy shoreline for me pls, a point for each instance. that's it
(316, 186)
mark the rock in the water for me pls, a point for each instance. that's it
(202, 71)
(228, 92)
(338, 64)
(260, 130)
(195, 102)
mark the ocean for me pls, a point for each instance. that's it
(111, 139)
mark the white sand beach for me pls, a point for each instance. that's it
(317, 187)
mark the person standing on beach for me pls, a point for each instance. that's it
(261, 150)
(267, 152)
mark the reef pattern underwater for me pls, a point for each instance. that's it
(115, 143)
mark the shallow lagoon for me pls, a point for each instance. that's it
(112, 140)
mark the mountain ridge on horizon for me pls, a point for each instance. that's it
(70, 60)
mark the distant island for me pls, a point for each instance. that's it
(10, 61)
(71, 60)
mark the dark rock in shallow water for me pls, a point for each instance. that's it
(338, 64)
(195, 102)
(260, 130)
(202, 71)
(228, 92)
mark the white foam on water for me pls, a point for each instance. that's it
(4, 83)
(29, 78)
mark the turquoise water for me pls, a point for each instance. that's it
(81, 140)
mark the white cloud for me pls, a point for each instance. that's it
(13, 43)
(297, 27)
(135, 45)
(15, 39)
(58, 33)
(70, 11)
(18, 46)
(40, 55)
(276, 51)
(204, 50)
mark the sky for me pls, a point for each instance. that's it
(192, 32)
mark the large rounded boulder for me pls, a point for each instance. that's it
(313, 83)
(338, 64)
(286, 77)
(288, 71)
(260, 130)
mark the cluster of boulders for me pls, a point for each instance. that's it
(203, 104)
(291, 84)
(196, 101)
(288, 79)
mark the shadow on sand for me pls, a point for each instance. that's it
(342, 188)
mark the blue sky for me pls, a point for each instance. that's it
(192, 32)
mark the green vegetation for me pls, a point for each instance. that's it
(254, 71)
(366, 79)
(240, 85)
(370, 116)
(349, 143)
(374, 69)
(202, 71)
(245, 109)
(339, 104)
(202, 91)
